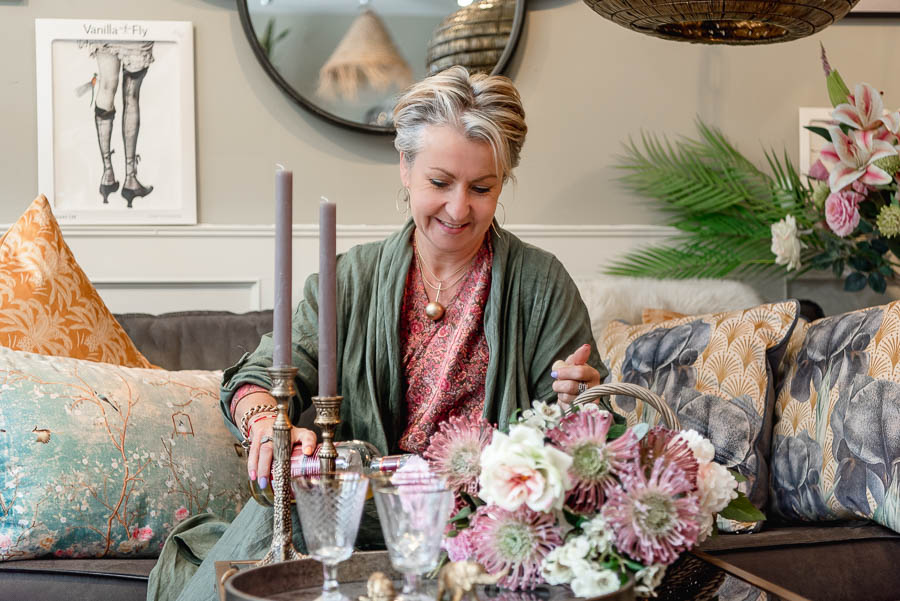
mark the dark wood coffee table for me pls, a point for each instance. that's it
(695, 576)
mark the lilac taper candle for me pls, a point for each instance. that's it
(327, 296)
(281, 318)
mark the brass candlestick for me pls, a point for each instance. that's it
(328, 418)
(283, 390)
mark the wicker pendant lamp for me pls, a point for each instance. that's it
(474, 36)
(366, 57)
(724, 21)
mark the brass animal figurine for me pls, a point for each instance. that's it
(460, 577)
(379, 588)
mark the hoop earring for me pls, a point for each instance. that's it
(402, 198)
(500, 204)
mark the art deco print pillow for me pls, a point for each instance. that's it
(836, 452)
(715, 372)
(98, 460)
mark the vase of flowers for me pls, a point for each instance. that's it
(580, 499)
(733, 218)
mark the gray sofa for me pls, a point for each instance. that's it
(823, 562)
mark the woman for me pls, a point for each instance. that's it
(449, 315)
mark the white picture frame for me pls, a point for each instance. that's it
(152, 63)
(876, 8)
(811, 143)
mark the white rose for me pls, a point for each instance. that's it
(553, 570)
(599, 534)
(646, 580)
(518, 468)
(593, 583)
(786, 244)
(701, 447)
(575, 552)
(716, 487)
(550, 412)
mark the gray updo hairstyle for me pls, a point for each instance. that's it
(484, 107)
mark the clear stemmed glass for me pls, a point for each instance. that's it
(330, 506)
(413, 511)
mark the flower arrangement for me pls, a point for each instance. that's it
(844, 215)
(580, 499)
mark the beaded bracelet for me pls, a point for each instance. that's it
(257, 409)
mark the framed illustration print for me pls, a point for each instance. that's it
(811, 143)
(876, 8)
(115, 108)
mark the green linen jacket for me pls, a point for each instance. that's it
(534, 316)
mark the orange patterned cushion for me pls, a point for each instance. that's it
(47, 303)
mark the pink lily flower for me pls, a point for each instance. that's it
(866, 111)
(853, 158)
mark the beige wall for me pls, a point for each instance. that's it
(587, 85)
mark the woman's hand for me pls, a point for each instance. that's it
(572, 372)
(259, 462)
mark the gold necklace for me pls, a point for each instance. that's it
(435, 310)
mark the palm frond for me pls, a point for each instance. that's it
(721, 203)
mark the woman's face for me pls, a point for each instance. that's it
(453, 191)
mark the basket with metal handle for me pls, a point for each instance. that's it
(633, 390)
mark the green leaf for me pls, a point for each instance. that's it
(632, 565)
(855, 282)
(576, 520)
(860, 263)
(738, 476)
(742, 510)
(821, 131)
(879, 245)
(838, 268)
(877, 282)
(462, 514)
(616, 430)
(837, 89)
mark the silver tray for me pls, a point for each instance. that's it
(301, 580)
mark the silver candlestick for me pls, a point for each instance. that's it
(328, 418)
(283, 390)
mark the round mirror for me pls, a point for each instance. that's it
(347, 60)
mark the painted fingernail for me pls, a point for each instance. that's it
(253, 475)
(308, 450)
(263, 482)
(554, 374)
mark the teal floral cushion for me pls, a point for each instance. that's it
(98, 460)
(836, 453)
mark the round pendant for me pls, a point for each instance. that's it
(434, 311)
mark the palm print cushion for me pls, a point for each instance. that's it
(98, 460)
(715, 372)
(836, 453)
(47, 303)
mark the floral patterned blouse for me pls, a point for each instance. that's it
(445, 361)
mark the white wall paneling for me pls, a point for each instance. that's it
(225, 267)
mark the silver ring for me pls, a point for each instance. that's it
(264, 440)
(582, 386)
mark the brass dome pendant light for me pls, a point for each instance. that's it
(737, 22)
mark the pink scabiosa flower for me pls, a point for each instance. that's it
(654, 519)
(455, 450)
(595, 462)
(516, 541)
(665, 444)
(459, 547)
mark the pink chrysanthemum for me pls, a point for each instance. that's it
(595, 463)
(516, 541)
(662, 443)
(455, 450)
(653, 518)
